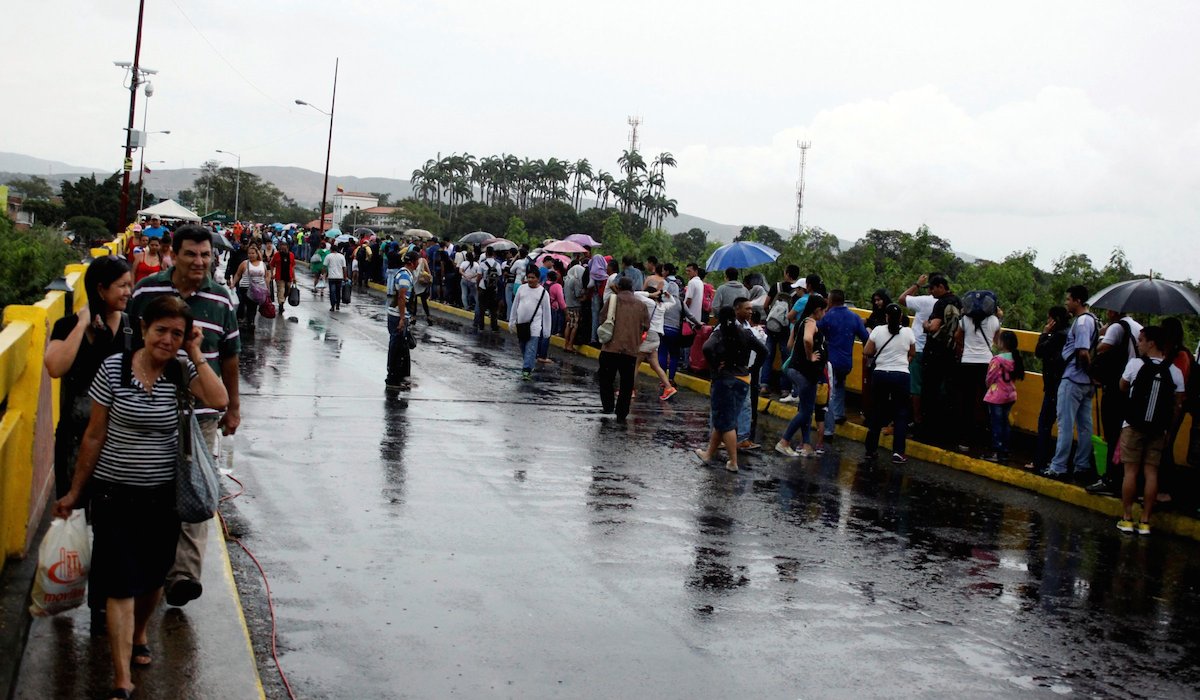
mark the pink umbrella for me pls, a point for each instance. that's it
(561, 258)
(565, 247)
(583, 239)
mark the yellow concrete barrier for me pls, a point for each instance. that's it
(31, 409)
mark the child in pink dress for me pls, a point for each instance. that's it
(1005, 369)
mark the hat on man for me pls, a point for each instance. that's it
(799, 283)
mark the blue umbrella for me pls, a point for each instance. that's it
(741, 255)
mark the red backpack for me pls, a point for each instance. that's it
(697, 361)
(709, 292)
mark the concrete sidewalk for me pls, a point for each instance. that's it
(200, 651)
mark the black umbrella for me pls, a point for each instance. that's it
(220, 241)
(476, 237)
(1147, 296)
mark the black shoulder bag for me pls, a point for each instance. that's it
(525, 330)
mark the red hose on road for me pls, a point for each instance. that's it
(266, 583)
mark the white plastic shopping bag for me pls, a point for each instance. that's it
(63, 561)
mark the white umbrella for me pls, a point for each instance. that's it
(418, 233)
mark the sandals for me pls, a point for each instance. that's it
(121, 693)
(144, 651)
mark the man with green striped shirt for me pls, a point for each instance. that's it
(214, 315)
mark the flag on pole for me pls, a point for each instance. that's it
(145, 168)
(340, 188)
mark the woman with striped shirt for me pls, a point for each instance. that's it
(127, 464)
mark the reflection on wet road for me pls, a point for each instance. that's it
(486, 536)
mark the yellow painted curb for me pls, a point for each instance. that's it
(237, 599)
(1173, 523)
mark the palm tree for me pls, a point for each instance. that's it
(582, 171)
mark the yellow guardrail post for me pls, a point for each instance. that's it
(25, 336)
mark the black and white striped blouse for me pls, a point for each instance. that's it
(143, 428)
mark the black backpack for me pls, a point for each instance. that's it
(493, 280)
(1152, 399)
(1107, 367)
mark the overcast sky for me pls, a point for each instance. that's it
(1063, 126)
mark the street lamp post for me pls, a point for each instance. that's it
(149, 90)
(328, 147)
(237, 185)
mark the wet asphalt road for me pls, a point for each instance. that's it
(486, 537)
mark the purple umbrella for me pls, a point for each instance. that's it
(568, 247)
(583, 239)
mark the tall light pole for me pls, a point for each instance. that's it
(237, 185)
(127, 165)
(328, 147)
(149, 90)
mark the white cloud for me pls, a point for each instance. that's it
(1055, 172)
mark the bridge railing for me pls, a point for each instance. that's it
(1029, 394)
(30, 403)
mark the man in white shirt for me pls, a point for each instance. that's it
(693, 301)
(491, 287)
(921, 306)
(335, 270)
(1150, 416)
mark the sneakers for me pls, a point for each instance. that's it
(785, 450)
(1125, 525)
(668, 393)
(1101, 488)
(748, 445)
(789, 399)
(996, 457)
(807, 452)
(1049, 473)
(898, 458)
(526, 375)
(1143, 528)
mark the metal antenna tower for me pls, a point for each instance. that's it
(803, 146)
(634, 123)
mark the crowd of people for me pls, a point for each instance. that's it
(157, 322)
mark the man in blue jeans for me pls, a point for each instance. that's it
(777, 327)
(840, 326)
(1076, 390)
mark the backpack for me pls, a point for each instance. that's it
(777, 315)
(492, 277)
(978, 305)
(709, 292)
(943, 339)
(1152, 399)
(1106, 368)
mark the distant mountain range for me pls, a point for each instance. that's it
(304, 186)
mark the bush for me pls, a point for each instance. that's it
(29, 260)
(88, 230)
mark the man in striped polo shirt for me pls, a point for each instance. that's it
(212, 308)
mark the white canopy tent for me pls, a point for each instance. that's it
(170, 209)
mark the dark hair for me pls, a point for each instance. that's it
(939, 281)
(894, 314)
(694, 266)
(1008, 341)
(624, 284)
(613, 267)
(1059, 314)
(812, 280)
(103, 272)
(739, 301)
(837, 297)
(883, 296)
(552, 276)
(470, 257)
(532, 270)
(792, 271)
(815, 301)
(1078, 292)
(168, 306)
(191, 232)
(1156, 335)
(1172, 333)
(731, 273)
(756, 315)
(669, 268)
